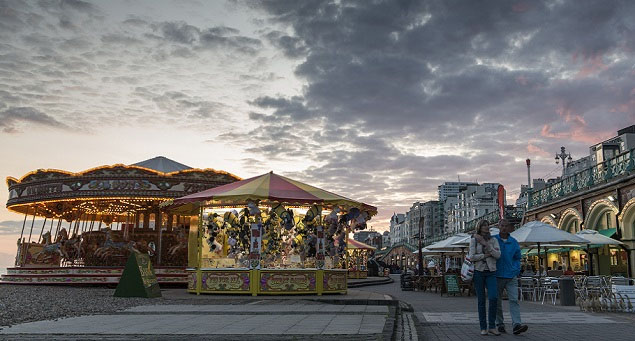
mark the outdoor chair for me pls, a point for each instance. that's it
(594, 285)
(579, 286)
(527, 286)
(618, 280)
(551, 287)
(465, 286)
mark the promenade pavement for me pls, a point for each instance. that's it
(179, 315)
(456, 318)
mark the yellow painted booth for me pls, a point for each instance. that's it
(269, 235)
(357, 258)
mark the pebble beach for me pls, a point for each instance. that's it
(26, 303)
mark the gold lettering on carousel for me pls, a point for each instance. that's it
(43, 189)
(190, 187)
(119, 185)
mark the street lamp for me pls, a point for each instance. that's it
(564, 156)
(420, 255)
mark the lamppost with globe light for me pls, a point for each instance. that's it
(564, 156)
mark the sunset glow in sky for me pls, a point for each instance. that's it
(380, 101)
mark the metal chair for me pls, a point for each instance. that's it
(551, 287)
(527, 286)
(594, 285)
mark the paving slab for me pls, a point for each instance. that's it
(208, 324)
(268, 308)
(455, 318)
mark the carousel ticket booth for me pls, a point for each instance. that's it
(80, 228)
(269, 235)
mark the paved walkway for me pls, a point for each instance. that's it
(265, 319)
(456, 318)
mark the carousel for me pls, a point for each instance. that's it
(358, 254)
(269, 235)
(81, 227)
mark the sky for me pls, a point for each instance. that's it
(380, 101)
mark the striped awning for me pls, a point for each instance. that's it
(354, 244)
(269, 188)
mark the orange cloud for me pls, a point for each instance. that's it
(535, 150)
(590, 66)
(578, 129)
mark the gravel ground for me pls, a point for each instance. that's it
(25, 303)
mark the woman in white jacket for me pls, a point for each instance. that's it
(484, 251)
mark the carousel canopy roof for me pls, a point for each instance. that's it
(268, 188)
(110, 189)
(162, 164)
(354, 244)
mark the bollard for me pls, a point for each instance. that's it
(567, 291)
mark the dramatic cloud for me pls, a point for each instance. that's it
(11, 118)
(377, 100)
(12, 227)
(490, 84)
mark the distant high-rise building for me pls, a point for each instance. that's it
(471, 203)
(385, 239)
(397, 228)
(452, 189)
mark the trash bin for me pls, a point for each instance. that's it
(567, 291)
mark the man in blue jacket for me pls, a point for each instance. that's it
(507, 270)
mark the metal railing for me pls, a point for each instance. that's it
(601, 173)
(511, 213)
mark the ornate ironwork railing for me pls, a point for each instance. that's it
(593, 176)
(511, 213)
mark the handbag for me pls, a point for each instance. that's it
(467, 269)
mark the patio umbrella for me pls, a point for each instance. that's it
(465, 241)
(446, 247)
(536, 233)
(448, 243)
(595, 238)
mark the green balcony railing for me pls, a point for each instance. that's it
(511, 213)
(593, 176)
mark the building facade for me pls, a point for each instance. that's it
(397, 228)
(473, 202)
(452, 189)
(600, 197)
(385, 239)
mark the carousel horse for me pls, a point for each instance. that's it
(180, 245)
(110, 247)
(61, 236)
(71, 248)
(48, 249)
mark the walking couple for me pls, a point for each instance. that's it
(496, 262)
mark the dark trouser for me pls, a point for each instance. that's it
(482, 280)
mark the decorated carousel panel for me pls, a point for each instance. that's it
(269, 235)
